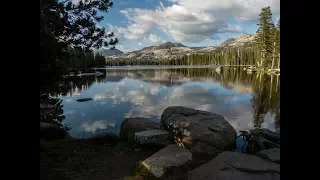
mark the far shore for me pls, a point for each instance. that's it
(167, 66)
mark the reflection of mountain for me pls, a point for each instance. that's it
(265, 91)
(171, 77)
(245, 100)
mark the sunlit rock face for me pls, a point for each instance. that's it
(199, 126)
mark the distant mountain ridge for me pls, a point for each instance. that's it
(110, 52)
(169, 50)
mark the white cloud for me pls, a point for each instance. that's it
(176, 21)
(151, 99)
(242, 10)
(155, 39)
(97, 125)
(192, 20)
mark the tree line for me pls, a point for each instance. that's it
(265, 88)
(82, 60)
(264, 52)
(65, 29)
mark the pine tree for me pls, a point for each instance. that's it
(275, 46)
(264, 36)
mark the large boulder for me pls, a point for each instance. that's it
(270, 154)
(202, 148)
(191, 126)
(235, 166)
(202, 153)
(170, 156)
(154, 137)
(132, 125)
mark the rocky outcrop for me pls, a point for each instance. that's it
(132, 125)
(239, 41)
(191, 126)
(170, 50)
(235, 166)
(257, 140)
(170, 156)
(270, 155)
(267, 134)
(154, 137)
(84, 99)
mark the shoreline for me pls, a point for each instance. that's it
(144, 145)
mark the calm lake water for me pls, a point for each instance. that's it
(245, 100)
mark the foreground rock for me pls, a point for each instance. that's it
(202, 153)
(132, 125)
(191, 126)
(154, 137)
(84, 99)
(52, 131)
(267, 134)
(270, 154)
(46, 109)
(236, 166)
(170, 156)
(264, 139)
(204, 149)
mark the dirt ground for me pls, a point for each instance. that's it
(81, 160)
(99, 160)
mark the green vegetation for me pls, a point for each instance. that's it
(64, 28)
(82, 60)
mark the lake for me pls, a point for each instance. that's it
(244, 100)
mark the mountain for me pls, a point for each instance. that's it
(240, 41)
(171, 50)
(110, 52)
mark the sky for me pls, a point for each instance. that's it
(142, 23)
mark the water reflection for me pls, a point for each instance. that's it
(245, 100)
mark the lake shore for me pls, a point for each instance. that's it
(147, 149)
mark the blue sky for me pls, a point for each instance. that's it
(141, 23)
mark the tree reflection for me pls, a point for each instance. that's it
(265, 89)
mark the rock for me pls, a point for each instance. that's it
(202, 153)
(154, 137)
(84, 99)
(46, 109)
(270, 154)
(262, 139)
(52, 131)
(204, 149)
(218, 69)
(170, 156)
(132, 125)
(267, 134)
(191, 126)
(47, 106)
(236, 166)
